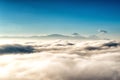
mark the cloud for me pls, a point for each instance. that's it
(93, 37)
(15, 48)
(48, 66)
(62, 60)
(102, 31)
(61, 46)
(75, 34)
(92, 48)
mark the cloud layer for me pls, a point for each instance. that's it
(62, 60)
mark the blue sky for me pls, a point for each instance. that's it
(36, 17)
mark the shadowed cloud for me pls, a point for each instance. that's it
(16, 48)
(111, 44)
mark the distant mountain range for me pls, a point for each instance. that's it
(54, 36)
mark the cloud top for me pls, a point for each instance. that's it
(61, 60)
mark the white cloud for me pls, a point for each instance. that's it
(64, 60)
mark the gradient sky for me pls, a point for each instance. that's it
(36, 17)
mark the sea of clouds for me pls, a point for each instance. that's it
(60, 60)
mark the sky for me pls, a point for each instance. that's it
(38, 17)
